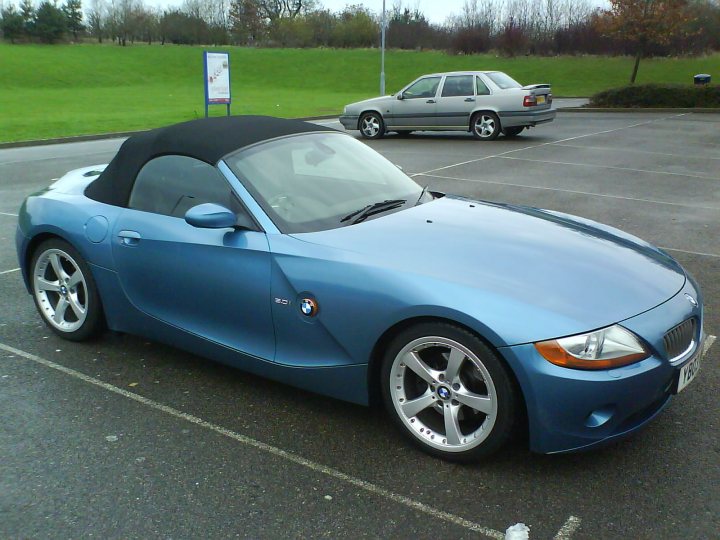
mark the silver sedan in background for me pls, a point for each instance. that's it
(485, 103)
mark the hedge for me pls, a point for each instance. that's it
(659, 95)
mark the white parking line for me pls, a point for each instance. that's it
(275, 451)
(571, 525)
(708, 343)
(8, 214)
(690, 252)
(9, 271)
(638, 199)
(551, 143)
(327, 123)
(609, 167)
(635, 151)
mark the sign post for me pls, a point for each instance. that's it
(217, 79)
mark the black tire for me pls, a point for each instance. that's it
(513, 131)
(482, 376)
(78, 292)
(371, 125)
(485, 126)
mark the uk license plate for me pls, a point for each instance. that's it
(688, 372)
(540, 100)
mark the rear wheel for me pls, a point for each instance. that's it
(64, 291)
(513, 131)
(485, 126)
(372, 125)
(448, 392)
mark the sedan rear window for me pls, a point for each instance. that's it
(458, 85)
(503, 81)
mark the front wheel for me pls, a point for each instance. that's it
(448, 392)
(64, 290)
(372, 125)
(485, 126)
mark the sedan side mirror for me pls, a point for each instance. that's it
(400, 96)
(210, 216)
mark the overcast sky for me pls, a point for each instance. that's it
(435, 10)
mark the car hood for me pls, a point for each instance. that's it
(368, 103)
(518, 260)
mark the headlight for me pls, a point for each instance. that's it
(603, 349)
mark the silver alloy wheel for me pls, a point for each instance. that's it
(60, 289)
(484, 126)
(443, 393)
(370, 126)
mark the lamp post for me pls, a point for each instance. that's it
(382, 53)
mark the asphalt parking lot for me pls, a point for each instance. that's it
(122, 438)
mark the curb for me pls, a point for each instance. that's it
(116, 135)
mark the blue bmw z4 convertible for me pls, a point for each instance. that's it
(298, 253)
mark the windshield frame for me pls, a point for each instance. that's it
(282, 225)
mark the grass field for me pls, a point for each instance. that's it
(61, 90)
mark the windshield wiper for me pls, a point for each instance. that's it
(422, 194)
(371, 209)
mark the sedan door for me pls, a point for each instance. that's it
(456, 102)
(416, 106)
(214, 283)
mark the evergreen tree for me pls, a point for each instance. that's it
(12, 24)
(73, 17)
(50, 23)
(27, 12)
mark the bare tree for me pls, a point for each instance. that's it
(96, 14)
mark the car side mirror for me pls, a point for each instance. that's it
(210, 216)
(400, 96)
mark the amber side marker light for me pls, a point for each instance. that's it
(555, 354)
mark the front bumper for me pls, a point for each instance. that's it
(526, 118)
(570, 409)
(349, 121)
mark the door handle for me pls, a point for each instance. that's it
(470, 99)
(129, 238)
(430, 101)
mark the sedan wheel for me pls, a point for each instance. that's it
(449, 392)
(485, 126)
(64, 290)
(372, 126)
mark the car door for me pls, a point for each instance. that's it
(416, 106)
(456, 101)
(214, 283)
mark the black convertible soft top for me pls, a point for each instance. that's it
(206, 139)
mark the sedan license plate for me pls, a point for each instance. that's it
(540, 100)
(688, 372)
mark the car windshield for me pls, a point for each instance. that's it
(503, 81)
(310, 182)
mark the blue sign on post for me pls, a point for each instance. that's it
(217, 79)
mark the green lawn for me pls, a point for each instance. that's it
(60, 90)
